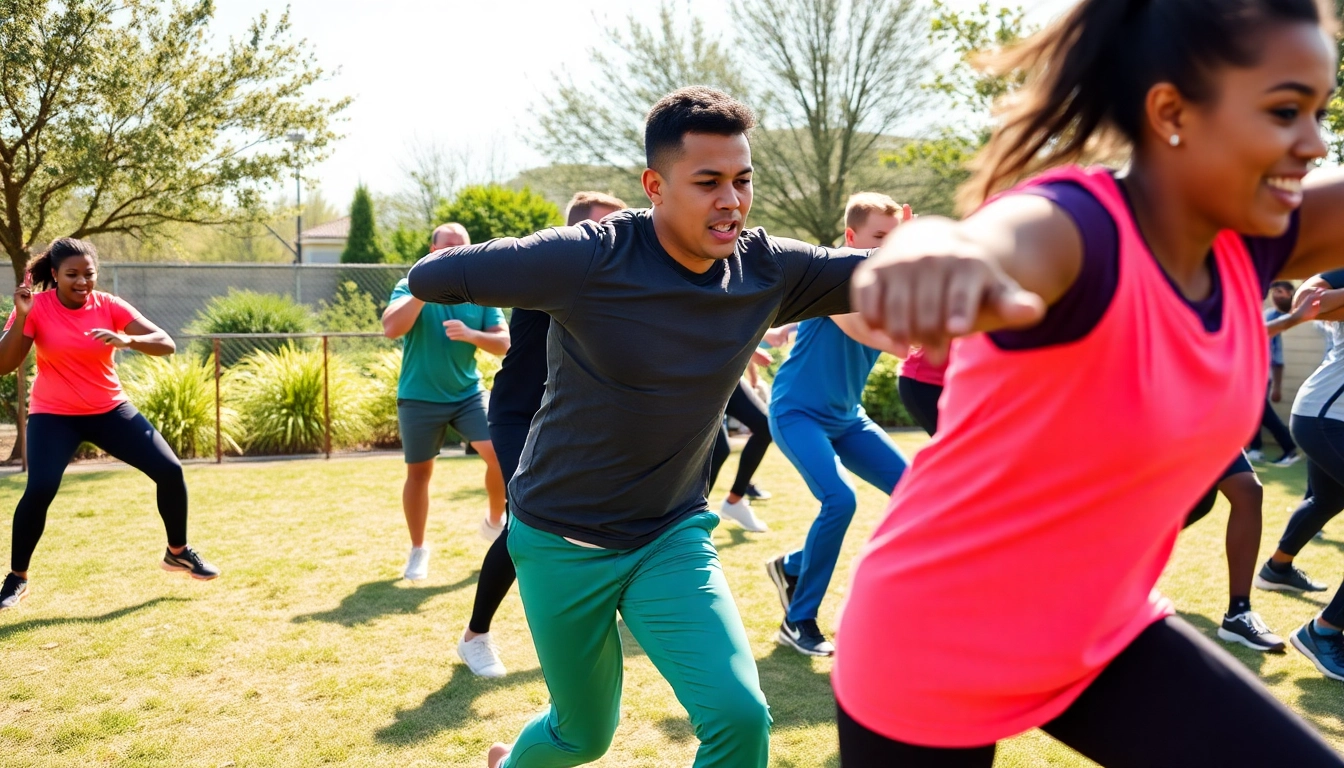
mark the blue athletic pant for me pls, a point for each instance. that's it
(818, 451)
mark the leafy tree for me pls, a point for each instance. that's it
(361, 247)
(1334, 116)
(970, 93)
(835, 78)
(603, 124)
(126, 116)
(492, 211)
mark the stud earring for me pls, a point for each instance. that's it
(1175, 140)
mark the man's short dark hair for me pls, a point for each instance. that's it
(1282, 284)
(696, 109)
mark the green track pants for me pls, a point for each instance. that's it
(675, 600)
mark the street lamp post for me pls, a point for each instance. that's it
(296, 138)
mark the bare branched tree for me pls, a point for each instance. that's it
(835, 78)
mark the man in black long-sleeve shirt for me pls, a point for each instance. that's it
(654, 317)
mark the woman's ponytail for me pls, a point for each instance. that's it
(42, 267)
(1089, 74)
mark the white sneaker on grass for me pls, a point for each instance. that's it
(741, 513)
(417, 565)
(481, 656)
(491, 532)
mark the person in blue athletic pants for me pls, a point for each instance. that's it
(818, 421)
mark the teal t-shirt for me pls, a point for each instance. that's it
(434, 368)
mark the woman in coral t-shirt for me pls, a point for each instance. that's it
(77, 398)
(1003, 593)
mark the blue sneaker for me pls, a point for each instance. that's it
(1325, 651)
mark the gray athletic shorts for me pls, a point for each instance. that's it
(423, 425)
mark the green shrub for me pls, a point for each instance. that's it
(361, 245)
(351, 310)
(177, 395)
(881, 399)
(383, 372)
(279, 400)
(488, 365)
(250, 312)
(493, 211)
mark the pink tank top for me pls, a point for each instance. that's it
(917, 367)
(999, 585)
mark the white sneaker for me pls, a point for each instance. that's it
(742, 514)
(481, 656)
(417, 565)
(1255, 455)
(491, 532)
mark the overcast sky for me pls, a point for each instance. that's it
(462, 73)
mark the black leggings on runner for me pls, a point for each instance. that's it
(123, 433)
(1322, 440)
(921, 401)
(1172, 698)
(747, 408)
(497, 573)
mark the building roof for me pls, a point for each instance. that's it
(337, 229)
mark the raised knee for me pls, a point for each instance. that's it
(740, 715)
(840, 505)
(588, 744)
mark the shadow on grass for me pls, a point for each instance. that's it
(736, 536)
(450, 707)
(25, 626)
(799, 694)
(1323, 700)
(382, 598)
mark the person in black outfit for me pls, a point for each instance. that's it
(514, 400)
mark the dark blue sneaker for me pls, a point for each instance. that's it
(1248, 629)
(1325, 651)
(1291, 580)
(805, 638)
(757, 494)
(784, 583)
(14, 591)
(190, 563)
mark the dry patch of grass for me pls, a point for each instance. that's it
(312, 651)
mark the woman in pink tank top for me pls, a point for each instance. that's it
(1002, 593)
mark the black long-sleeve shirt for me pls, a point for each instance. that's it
(641, 358)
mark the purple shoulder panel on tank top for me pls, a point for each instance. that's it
(1081, 307)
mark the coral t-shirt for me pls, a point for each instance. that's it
(75, 372)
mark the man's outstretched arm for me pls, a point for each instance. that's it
(543, 271)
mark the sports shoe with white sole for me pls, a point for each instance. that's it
(1254, 455)
(481, 656)
(490, 532)
(188, 561)
(1325, 651)
(14, 591)
(784, 583)
(417, 565)
(805, 637)
(1288, 459)
(1292, 580)
(1248, 629)
(742, 514)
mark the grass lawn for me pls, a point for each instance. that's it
(310, 650)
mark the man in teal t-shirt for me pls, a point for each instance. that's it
(440, 388)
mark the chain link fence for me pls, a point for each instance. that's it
(323, 391)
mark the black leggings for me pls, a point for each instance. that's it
(123, 433)
(1322, 440)
(497, 573)
(747, 408)
(920, 401)
(1172, 698)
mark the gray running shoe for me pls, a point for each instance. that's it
(1248, 629)
(784, 583)
(190, 563)
(1291, 580)
(1325, 651)
(14, 591)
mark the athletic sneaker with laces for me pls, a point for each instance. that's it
(417, 564)
(741, 513)
(1251, 631)
(481, 656)
(1291, 580)
(1325, 651)
(1254, 455)
(805, 637)
(13, 592)
(1288, 459)
(757, 494)
(784, 583)
(188, 561)
(490, 532)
